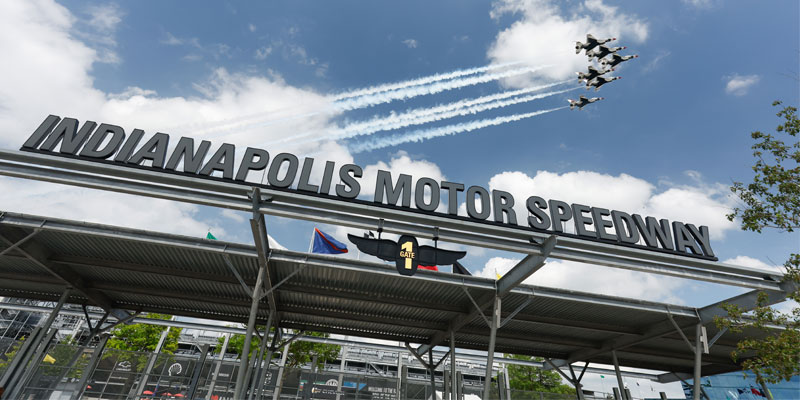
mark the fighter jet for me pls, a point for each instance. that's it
(582, 101)
(591, 43)
(600, 81)
(593, 73)
(615, 60)
(603, 51)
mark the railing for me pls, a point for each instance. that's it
(124, 375)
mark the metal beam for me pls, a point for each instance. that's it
(362, 267)
(259, 228)
(233, 330)
(235, 273)
(746, 301)
(323, 209)
(516, 311)
(525, 268)
(19, 242)
(457, 322)
(39, 255)
(493, 325)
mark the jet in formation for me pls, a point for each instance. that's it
(596, 49)
(582, 101)
(600, 81)
(593, 73)
(615, 60)
(602, 51)
(591, 43)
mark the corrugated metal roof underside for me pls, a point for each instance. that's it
(146, 271)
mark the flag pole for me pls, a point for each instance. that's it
(311, 242)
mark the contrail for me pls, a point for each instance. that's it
(420, 81)
(435, 113)
(424, 134)
(427, 89)
(393, 123)
(219, 125)
(386, 97)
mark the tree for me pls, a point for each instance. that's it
(141, 338)
(300, 352)
(144, 337)
(533, 379)
(771, 201)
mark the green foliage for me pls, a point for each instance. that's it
(533, 379)
(772, 200)
(300, 352)
(144, 337)
(134, 339)
(9, 355)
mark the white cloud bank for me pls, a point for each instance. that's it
(739, 85)
(48, 70)
(547, 31)
(700, 204)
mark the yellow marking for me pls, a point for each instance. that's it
(406, 252)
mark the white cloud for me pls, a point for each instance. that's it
(655, 63)
(593, 279)
(263, 52)
(51, 73)
(699, 204)
(738, 85)
(251, 27)
(546, 34)
(751, 262)
(410, 43)
(401, 163)
(699, 3)
(172, 40)
(786, 307)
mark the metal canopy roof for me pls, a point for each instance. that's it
(156, 272)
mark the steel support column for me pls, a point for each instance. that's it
(276, 393)
(90, 368)
(150, 363)
(255, 366)
(267, 360)
(620, 383)
(342, 364)
(507, 381)
(399, 375)
(494, 323)
(452, 365)
(431, 368)
(196, 374)
(219, 364)
(698, 354)
(30, 362)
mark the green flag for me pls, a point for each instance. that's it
(210, 236)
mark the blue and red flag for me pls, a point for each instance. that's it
(326, 244)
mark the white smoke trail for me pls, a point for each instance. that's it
(428, 89)
(402, 123)
(424, 134)
(414, 117)
(229, 124)
(380, 98)
(420, 81)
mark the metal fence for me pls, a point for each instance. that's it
(119, 374)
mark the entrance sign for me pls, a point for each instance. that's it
(109, 143)
(406, 253)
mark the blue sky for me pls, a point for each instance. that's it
(667, 140)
